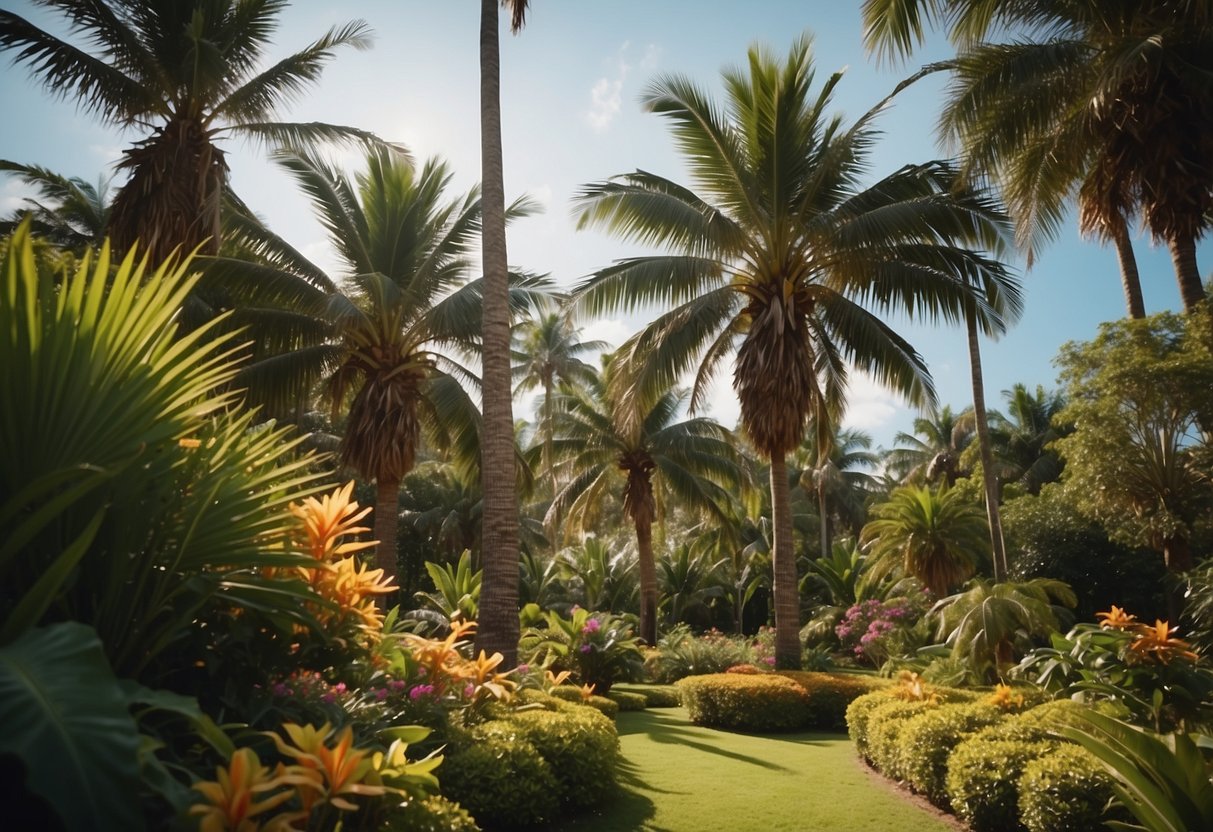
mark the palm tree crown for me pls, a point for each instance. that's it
(777, 258)
(932, 453)
(188, 71)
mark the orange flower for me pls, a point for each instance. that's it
(327, 520)
(230, 798)
(1006, 698)
(480, 673)
(912, 688)
(1117, 619)
(1156, 644)
(586, 692)
(554, 680)
(340, 768)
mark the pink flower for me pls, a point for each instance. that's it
(420, 691)
(591, 626)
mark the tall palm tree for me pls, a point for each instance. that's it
(778, 258)
(387, 334)
(67, 211)
(607, 448)
(1022, 436)
(837, 482)
(187, 71)
(546, 354)
(932, 535)
(932, 453)
(1110, 101)
(499, 627)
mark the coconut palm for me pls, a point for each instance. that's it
(386, 336)
(547, 353)
(1021, 438)
(1109, 101)
(604, 449)
(932, 535)
(932, 453)
(837, 482)
(778, 258)
(498, 630)
(67, 211)
(188, 71)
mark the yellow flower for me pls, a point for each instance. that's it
(1006, 698)
(327, 520)
(230, 802)
(1117, 619)
(325, 772)
(586, 692)
(554, 680)
(1156, 644)
(189, 444)
(912, 688)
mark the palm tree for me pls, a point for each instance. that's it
(546, 354)
(931, 535)
(68, 211)
(1109, 101)
(383, 335)
(499, 627)
(187, 70)
(606, 448)
(932, 453)
(1022, 437)
(778, 258)
(836, 482)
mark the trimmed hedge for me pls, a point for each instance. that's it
(600, 703)
(628, 701)
(1066, 790)
(927, 740)
(655, 696)
(498, 777)
(581, 747)
(747, 703)
(831, 693)
(432, 814)
(983, 781)
(884, 732)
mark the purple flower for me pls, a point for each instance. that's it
(420, 691)
(468, 691)
(591, 626)
(328, 699)
(585, 648)
(769, 660)
(524, 669)
(280, 689)
(396, 685)
(381, 694)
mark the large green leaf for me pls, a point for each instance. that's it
(66, 718)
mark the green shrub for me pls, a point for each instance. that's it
(433, 814)
(983, 781)
(749, 703)
(581, 748)
(568, 693)
(656, 696)
(499, 777)
(928, 738)
(681, 654)
(628, 701)
(1066, 791)
(858, 713)
(831, 693)
(884, 732)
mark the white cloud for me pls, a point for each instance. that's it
(606, 96)
(869, 406)
(611, 330)
(321, 253)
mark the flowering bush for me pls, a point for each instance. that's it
(870, 628)
(598, 649)
(1157, 676)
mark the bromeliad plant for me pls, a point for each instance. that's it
(1157, 676)
(598, 649)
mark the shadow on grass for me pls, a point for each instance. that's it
(626, 809)
(670, 730)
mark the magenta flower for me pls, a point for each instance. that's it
(421, 690)
(591, 626)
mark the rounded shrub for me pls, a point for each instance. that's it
(831, 693)
(579, 745)
(432, 814)
(1066, 790)
(568, 693)
(858, 714)
(927, 739)
(655, 696)
(983, 781)
(748, 703)
(499, 777)
(884, 733)
(628, 701)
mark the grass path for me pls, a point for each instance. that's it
(678, 777)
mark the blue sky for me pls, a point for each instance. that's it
(571, 82)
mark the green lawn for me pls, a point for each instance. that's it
(678, 777)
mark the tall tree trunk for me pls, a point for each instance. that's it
(549, 459)
(825, 522)
(997, 547)
(498, 631)
(648, 581)
(387, 511)
(1183, 256)
(1130, 278)
(783, 556)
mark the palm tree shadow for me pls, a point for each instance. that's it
(666, 729)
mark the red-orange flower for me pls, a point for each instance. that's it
(1156, 644)
(1117, 619)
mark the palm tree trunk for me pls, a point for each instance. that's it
(783, 556)
(549, 459)
(648, 581)
(997, 547)
(498, 631)
(825, 522)
(387, 510)
(1130, 278)
(1183, 256)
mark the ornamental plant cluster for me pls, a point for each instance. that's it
(870, 629)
